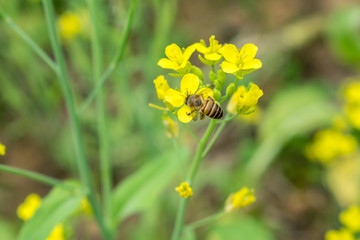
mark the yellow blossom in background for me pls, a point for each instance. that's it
(329, 144)
(240, 62)
(351, 92)
(2, 149)
(161, 86)
(69, 25)
(189, 85)
(26, 210)
(352, 112)
(350, 218)
(343, 179)
(212, 53)
(185, 190)
(240, 199)
(172, 128)
(57, 233)
(243, 101)
(342, 234)
(86, 207)
(177, 58)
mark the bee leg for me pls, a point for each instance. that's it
(202, 116)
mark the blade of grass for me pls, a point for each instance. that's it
(116, 60)
(104, 158)
(83, 167)
(35, 47)
(35, 176)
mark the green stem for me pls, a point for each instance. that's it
(114, 63)
(83, 167)
(28, 41)
(105, 163)
(191, 131)
(35, 176)
(213, 140)
(195, 165)
(205, 221)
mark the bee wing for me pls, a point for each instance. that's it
(205, 92)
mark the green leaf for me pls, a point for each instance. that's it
(343, 34)
(55, 208)
(142, 189)
(7, 230)
(244, 228)
(292, 112)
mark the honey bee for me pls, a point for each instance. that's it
(206, 107)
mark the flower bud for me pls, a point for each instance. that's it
(217, 94)
(212, 76)
(197, 71)
(230, 89)
(221, 76)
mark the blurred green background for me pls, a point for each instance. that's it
(308, 48)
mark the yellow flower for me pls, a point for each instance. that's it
(2, 149)
(26, 210)
(351, 218)
(329, 144)
(69, 25)
(161, 86)
(240, 62)
(86, 207)
(240, 199)
(172, 128)
(352, 112)
(188, 86)
(211, 53)
(351, 92)
(243, 101)
(185, 190)
(57, 233)
(342, 234)
(177, 58)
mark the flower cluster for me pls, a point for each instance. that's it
(2, 149)
(196, 90)
(27, 209)
(350, 218)
(69, 25)
(242, 198)
(330, 144)
(184, 190)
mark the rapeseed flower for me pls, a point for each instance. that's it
(243, 101)
(342, 234)
(185, 190)
(178, 59)
(2, 149)
(212, 53)
(161, 86)
(27, 209)
(189, 85)
(329, 144)
(69, 25)
(350, 218)
(240, 62)
(351, 92)
(244, 197)
(57, 233)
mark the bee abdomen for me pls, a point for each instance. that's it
(212, 109)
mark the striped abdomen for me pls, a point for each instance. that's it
(212, 109)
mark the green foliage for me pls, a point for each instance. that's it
(344, 35)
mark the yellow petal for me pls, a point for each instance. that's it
(248, 52)
(212, 56)
(230, 53)
(189, 84)
(253, 64)
(229, 67)
(184, 114)
(173, 52)
(201, 47)
(188, 52)
(161, 86)
(168, 64)
(175, 98)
